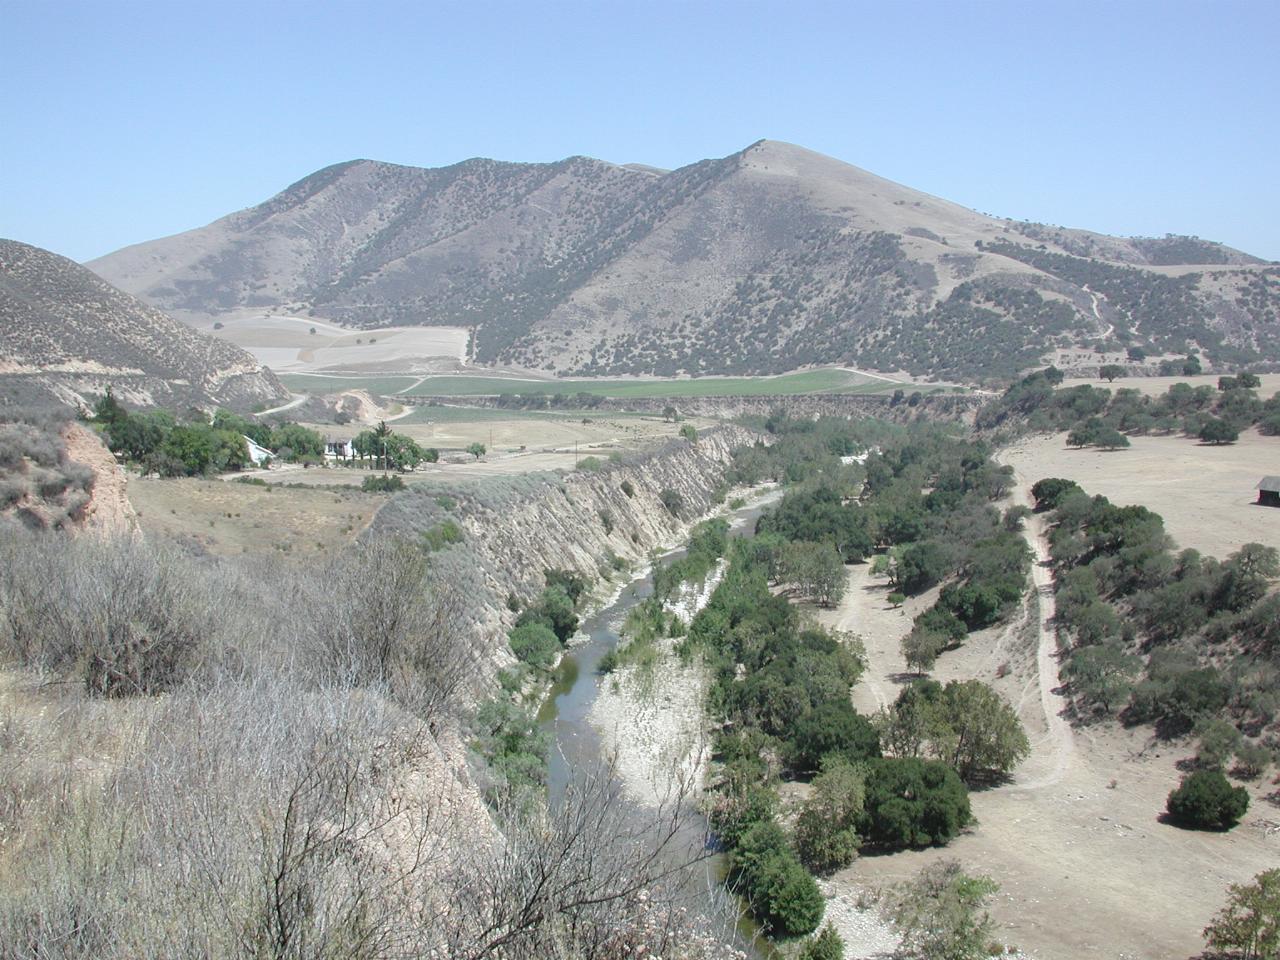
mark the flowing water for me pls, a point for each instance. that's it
(577, 747)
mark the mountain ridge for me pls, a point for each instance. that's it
(66, 334)
(768, 259)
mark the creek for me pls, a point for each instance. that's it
(577, 747)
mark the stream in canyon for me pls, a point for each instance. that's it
(577, 748)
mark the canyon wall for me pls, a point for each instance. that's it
(598, 523)
(956, 407)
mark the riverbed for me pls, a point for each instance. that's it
(578, 748)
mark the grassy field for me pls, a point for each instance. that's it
(811, 381)
(225, 517)
(828, 380)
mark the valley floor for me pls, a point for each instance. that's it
(1086, 869)
(1204, 493)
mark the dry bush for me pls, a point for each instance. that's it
(34, 466)
(264, 820)
(218, 758)
(379, 614)
(128, 617)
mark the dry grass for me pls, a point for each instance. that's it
(1204, 493)
(1158, 386)
(226, 517)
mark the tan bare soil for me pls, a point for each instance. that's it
(230, 518)
(1206, 494)
(537, 434)
(1086, 868)
(110, 511)
(286, 344)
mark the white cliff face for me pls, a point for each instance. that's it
(575, 522)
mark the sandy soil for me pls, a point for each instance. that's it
(286, 345)
(230, 518)
(1086, 868)
(652, 721)
(1204, 493)
(110, 511)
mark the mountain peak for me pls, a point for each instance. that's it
(772, 258)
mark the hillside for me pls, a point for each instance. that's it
(769, 259)
(65, 334)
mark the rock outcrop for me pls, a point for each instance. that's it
(514, 529)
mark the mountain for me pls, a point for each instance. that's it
(66, 334)
(769, 259)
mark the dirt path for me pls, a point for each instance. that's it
(866, 612)
(297, 400)
(1107, 328)
(1060, 738)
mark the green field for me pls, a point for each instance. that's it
(812, 381)
(826, 380)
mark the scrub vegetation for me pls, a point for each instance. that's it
(1178, 640)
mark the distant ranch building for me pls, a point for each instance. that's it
(1269, 492)
(339, 449)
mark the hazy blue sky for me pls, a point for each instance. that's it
(127, 121)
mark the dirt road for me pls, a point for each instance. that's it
(1086, 869)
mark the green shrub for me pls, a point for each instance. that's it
(1048, 493)
(388, 483)
(783, 896)
(1205, 800)
(554, 610)
(534, 644)
(514, 745)
(440, 536)
(913, 803)
(824, 945)
(628, 488)
(826, 835)
(671, 501)
(832, 730)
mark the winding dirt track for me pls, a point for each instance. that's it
(1060, 739)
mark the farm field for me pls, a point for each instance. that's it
(225, 517)
(809, 381)
(288, 345)
(1205, 493)
(827, 380)
(325, 384)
